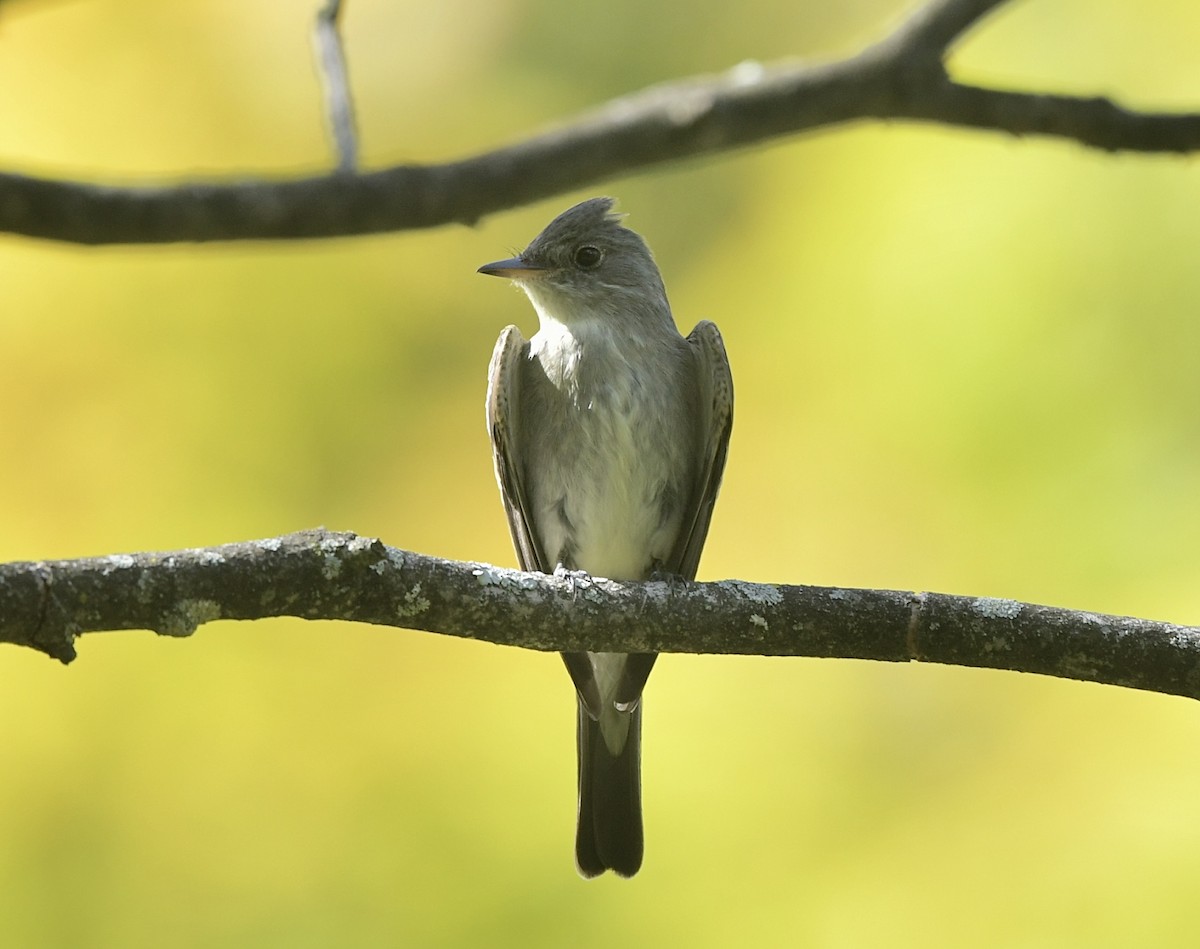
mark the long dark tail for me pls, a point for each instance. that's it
(609, 834)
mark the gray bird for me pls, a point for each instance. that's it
(609, 432)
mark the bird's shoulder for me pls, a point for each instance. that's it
(503, 372)
(712, 361)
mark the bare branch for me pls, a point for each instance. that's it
(930, 32)
(1097, 121)
(903, 77)
(324, 575)
(332, 67)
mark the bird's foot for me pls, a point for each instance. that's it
(576, 579)
(659, 575)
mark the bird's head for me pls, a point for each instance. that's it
(586, 265)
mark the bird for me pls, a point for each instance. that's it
(609, 433)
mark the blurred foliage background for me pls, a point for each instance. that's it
(965, 363)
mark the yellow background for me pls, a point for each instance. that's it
(964, 363)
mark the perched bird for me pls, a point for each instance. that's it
(609, 431)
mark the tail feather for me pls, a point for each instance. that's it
(609, 832)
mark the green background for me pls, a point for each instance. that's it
(964, 363)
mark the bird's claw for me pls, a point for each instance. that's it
(576, 579)
(659, 575)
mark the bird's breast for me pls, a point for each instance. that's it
(609, 460)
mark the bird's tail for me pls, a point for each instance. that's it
(609, 833)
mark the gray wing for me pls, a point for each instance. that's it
(504, 429)
(503, 422)
(715, 411)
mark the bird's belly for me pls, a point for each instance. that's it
(611, 508)
(618, 538)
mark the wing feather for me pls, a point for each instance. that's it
(715, 409)
(503, 422)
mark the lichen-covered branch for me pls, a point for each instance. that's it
(324, 575)
(902, 77)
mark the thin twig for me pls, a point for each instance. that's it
(935, 27)
(331, 61)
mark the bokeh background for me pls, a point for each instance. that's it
(965, 363)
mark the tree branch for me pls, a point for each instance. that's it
(902, 77)
(324, 575)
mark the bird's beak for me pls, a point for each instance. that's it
(515, 268)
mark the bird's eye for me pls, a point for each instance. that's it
(588, 256)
